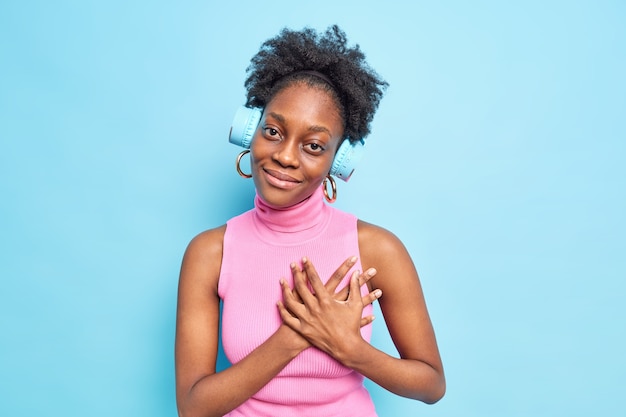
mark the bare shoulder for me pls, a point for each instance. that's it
(203, 258)
(377, 243)
(207, 243)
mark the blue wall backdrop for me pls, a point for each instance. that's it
(497, 156)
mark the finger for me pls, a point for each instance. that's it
(363, 279)
(300, 285)
(287, 317)
(314, 279)
(371, 297)
(339, 274)
(291, 301)
(295, 294)
(354, 289)
(367, 320)
(342, 295)
(286, 290)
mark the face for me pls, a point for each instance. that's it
(294, 145)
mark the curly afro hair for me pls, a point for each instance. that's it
(291, 56)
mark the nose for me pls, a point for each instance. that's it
(287, 154)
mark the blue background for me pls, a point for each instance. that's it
(497, 156)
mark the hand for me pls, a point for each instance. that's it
(328, 319)
(342, 295)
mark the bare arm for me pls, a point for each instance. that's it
(418, 373)
(332, 326)
(200, 391)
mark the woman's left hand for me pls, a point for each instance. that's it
(329, 320)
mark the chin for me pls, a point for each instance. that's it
(281, 198)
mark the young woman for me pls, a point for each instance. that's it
(296, 276)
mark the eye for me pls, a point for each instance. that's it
(271, 133)
(314, 148)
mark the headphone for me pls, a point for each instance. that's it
(246, 121)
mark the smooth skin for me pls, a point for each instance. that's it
(292, 152)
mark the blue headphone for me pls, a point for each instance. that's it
(246, 121)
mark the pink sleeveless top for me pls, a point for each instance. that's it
(259, 245)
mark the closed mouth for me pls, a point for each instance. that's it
(280, 175)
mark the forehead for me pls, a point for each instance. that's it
(305, 103)
(302, 91)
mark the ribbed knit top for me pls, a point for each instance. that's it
(259, 246)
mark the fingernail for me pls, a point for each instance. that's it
(371, 272)
(304, 260)
(353, 259)
(378, 293)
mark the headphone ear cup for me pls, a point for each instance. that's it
(346, 158)
(244, 124)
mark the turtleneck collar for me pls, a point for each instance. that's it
(300, 221)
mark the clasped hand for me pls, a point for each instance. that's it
(328, 319)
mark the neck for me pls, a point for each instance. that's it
(300, 217)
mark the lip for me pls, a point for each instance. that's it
(280, 179)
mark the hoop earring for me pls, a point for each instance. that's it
(239, 171)
(333, 187)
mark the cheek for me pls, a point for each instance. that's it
(319, 168)
(257, 150)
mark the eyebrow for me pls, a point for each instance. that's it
(277, 116)
(314, 128)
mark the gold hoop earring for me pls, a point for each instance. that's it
(333, 187)
(239, 171)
